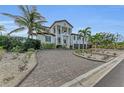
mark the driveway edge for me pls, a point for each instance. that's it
(88, 58)
(92, 77)
(34, 59)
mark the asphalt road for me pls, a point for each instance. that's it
(115, 78)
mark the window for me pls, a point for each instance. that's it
(74, 37)
(69, 30)
(64, 41)
(78, 37)
(59, 40)
(58, 28)
(48, 38)
(54, 29)
(64, 29)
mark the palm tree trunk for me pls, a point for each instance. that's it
(95, 47)
(78, 45)
(29, 33)
(86, 43)
(83, 46)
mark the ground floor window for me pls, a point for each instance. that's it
(59, 40)
(48, 38)
(64, 41)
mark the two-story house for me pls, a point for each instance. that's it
(60, 34)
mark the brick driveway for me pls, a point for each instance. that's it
(56, 67)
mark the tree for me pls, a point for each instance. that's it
(30, 19)
(1, 29)
(85, 34)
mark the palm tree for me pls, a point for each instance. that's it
(85, 33)
(1, 29)
(29, 19)
(96, 40)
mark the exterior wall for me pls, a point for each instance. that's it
(77, 41)
(42, 38)
(64, 36)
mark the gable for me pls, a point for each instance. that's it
(62, 23)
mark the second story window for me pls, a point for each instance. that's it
(74, 37)
(69, 30)
(54, 29)
(58, 28)
(78, 37)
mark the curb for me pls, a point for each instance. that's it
(89, 58)
(92, 77)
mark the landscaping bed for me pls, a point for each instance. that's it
(97, 55)
(14, 67)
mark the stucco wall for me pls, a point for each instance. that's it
(42, 38)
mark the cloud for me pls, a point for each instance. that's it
(7, 22)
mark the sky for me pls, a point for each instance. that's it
(99, 18)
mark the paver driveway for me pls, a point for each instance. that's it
(56, 67)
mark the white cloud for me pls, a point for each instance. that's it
(6, 22)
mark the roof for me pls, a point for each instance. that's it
(48, 33)
(74, 34)
(44, 32)
(45, 27)
(61, 21)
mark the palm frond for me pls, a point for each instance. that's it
(22, 21)
(2, 28)
(25, 11)
(16, 30)
(10, 15)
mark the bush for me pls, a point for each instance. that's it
(31, 50)
(79, 51)
(31, 43)
(18, 45)
(48, 46)
(17, 49)
(9, 43)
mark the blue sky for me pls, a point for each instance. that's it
(99, 18)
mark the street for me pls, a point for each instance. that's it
(115, 78)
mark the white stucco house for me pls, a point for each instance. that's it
(60, 34)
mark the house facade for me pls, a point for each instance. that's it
(60, 34)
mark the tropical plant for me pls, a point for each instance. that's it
(30, 19)
(48, 45)
(1, 29)
(85, 34)
(104, 40)
(31, 43)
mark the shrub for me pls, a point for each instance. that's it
(17, 49)
(79, 51)
(9, 43)
(48, 46)
(5, 42)
(71, 47)
(31, 43)
(31, 50)
(18, 44)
